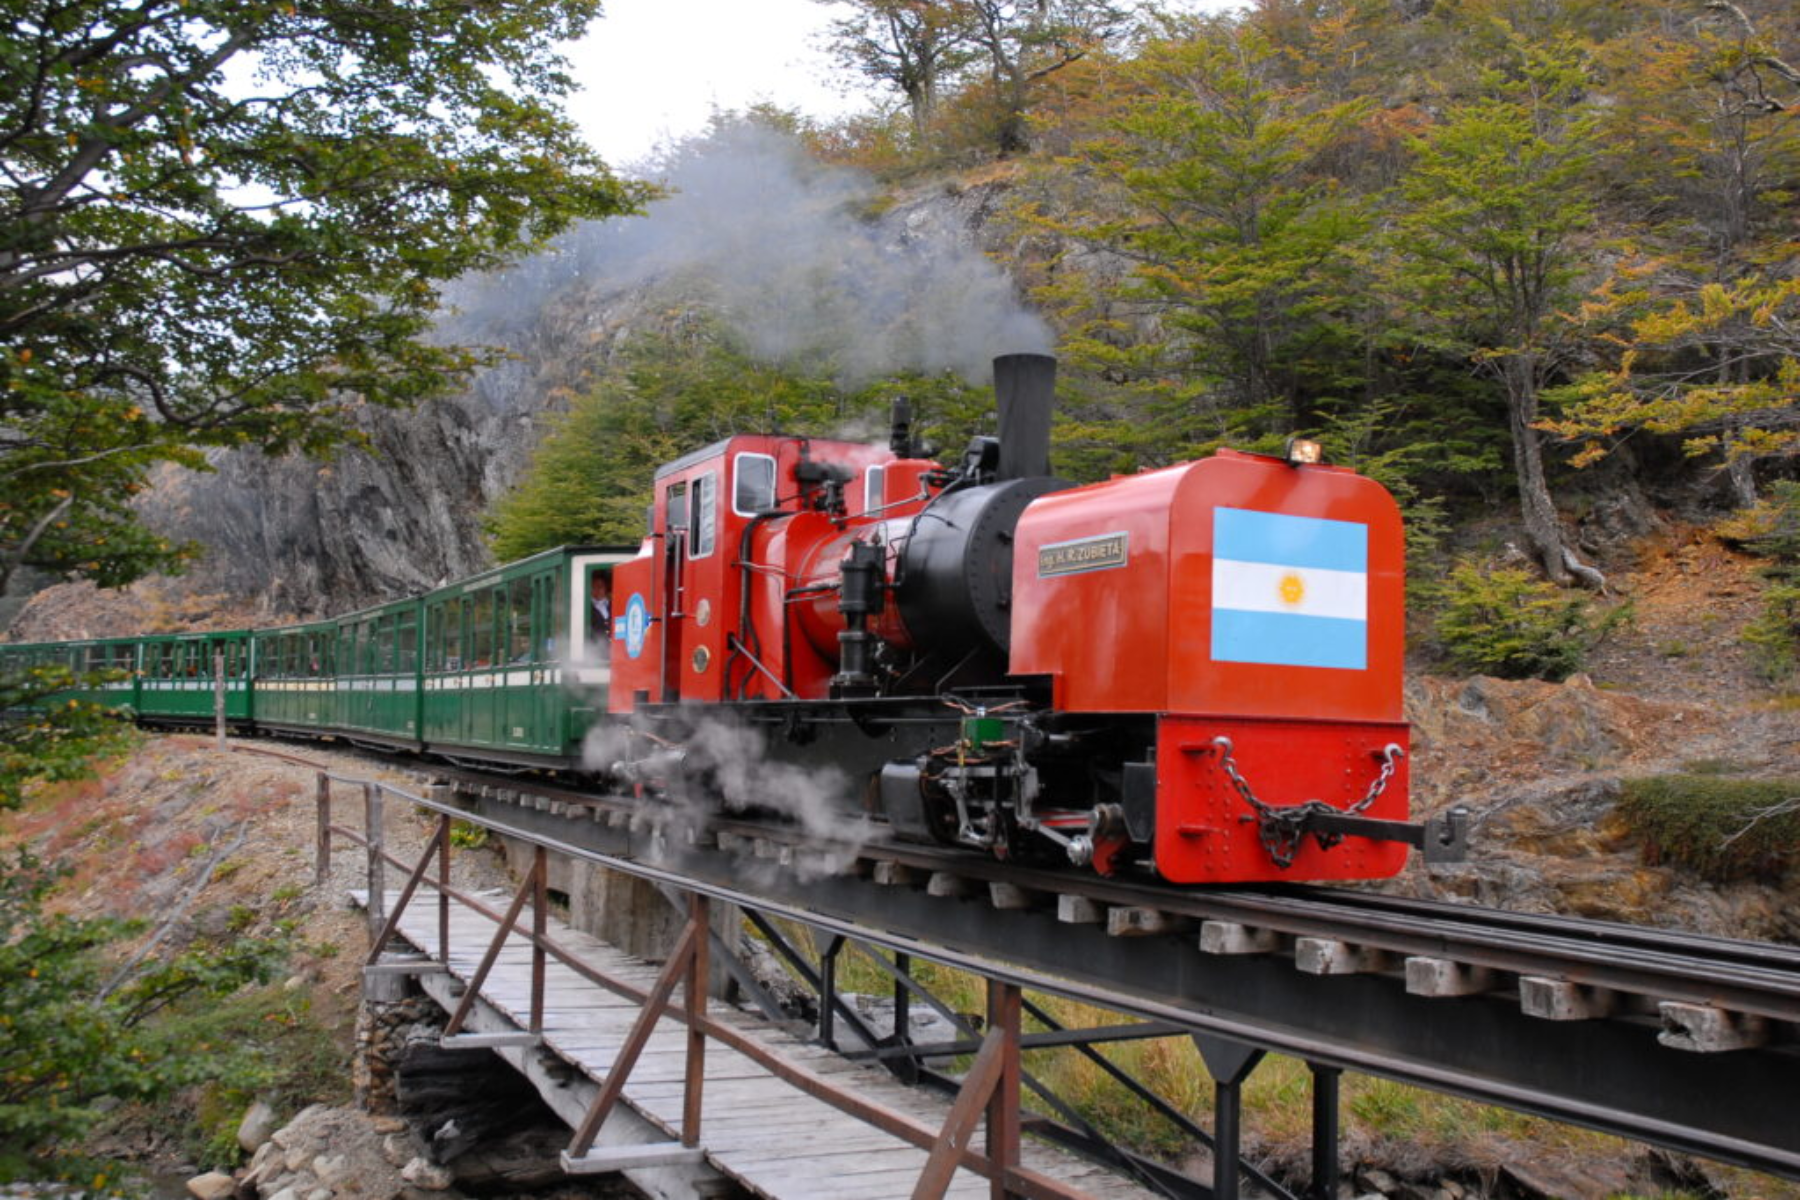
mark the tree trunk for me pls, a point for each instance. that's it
(1536, 508)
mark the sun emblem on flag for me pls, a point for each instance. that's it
(1292, 588)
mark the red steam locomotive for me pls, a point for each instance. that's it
(1194, 670)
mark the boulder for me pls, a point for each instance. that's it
(258, 1123)
(214, 1185)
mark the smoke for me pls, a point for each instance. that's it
(776, 245)
(729, 770)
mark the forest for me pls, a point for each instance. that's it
(1503, 255)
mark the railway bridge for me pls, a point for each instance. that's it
(1681, 1041)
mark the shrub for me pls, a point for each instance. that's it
(1505, 621)
(1775, 633)
(1771, 528)
(1723, 828)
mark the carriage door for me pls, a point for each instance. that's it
(675, 552)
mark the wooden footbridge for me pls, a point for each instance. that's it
(648, 1095)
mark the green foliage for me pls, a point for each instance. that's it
(1206, 174)
(468, 836)
(1775, 633)
(70, 1036)
(58, 732)
(1507, 622)
(187, 261)
(1771, 528)
(262, 1042)
(1724, 829)
(589, 478)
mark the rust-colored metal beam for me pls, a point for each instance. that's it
(540, 915)
(406, 895)
(1003, 1105)
(493, 951)
(680, 964)
(443, 885)
(694, 996)
(959, 1127)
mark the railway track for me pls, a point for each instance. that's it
(1705, 994)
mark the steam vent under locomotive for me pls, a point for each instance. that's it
(1194, 669)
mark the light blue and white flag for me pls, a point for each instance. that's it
(1292, 591)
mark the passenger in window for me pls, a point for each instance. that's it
(600, 614)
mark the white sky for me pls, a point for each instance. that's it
(653, 70)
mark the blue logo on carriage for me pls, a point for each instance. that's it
(637, 624)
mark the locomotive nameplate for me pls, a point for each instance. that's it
(1100, 553)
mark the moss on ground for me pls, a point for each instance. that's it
(1725, 829)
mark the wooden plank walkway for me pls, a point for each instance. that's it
(768, 1136)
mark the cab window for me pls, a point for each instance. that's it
(706, 514)
(753, 484)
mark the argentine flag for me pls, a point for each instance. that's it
(1292, 591)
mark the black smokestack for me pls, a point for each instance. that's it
(1025, 387)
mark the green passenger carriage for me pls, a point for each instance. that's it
(509, 666)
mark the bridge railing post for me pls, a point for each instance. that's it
(540, 916)
(694, 996)
(1003, 1106)
(322, 855)
(372, 830)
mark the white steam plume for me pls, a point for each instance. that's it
(775, 240)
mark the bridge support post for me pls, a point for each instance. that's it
(828, 996)
(906, 1067)
(1230, 1063)
(1325, 1081)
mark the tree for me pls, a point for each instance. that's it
(1702, 322)
(1206, 181)
(1487, 242)
(1023, 41)
(225, 221)
(908, 45)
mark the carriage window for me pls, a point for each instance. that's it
(453, 634)
(874, 488)
(384, 652)
(434, 638)
(518, 626)
(753, 488)
(481, 634)
(706, 513)
(407, 639)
